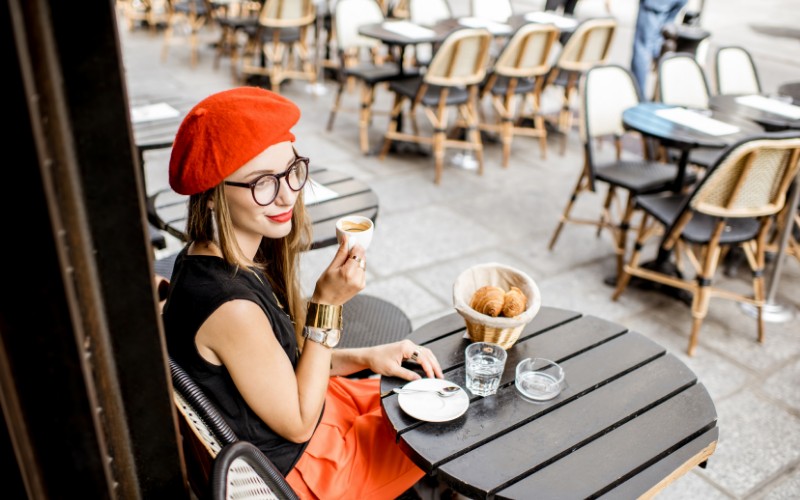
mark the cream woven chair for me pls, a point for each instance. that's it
(515, 84)
(588, 46)
(734, 205)
(282, 51)
(186, 17)
(735, 72)
(681, 81)
(492, 10)
(451, 80)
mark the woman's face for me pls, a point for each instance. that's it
(248, 217)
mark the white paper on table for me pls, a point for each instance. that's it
(547, 17)
(697, 121)
(493, 27)
(314, 192)
(770, 105)
(152, 112)
(408, 29)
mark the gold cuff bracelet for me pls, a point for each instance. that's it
(324, 316)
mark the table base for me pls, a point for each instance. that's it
(771, 313)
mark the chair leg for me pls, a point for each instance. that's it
(439, 139)
(565, 216)
(623, 276)
(397, 109)
(336, 104)
(622, 236)
(365, 116)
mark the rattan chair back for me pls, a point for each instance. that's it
(606, 92)
(752, 180)
(491, 10)
(588, 46)
(681, 81)
(527, 53)
(735, 72)
(348, 17)
(428, 12)
(287, 13)
(461, 60)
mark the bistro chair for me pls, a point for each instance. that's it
(361, 59)
(491, 10)
(515, 84)
(279, 48)
(734, 205)
(150, 13)
(735, 72)
(588, 46)
(186, 17)
(681, 81)
(237, 20)
(605, 93)
(203, 429)
(451, 80)
(242, 471)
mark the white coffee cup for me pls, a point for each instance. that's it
(358, 230)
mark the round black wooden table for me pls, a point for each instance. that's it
(632, 418)
(728, 104)
(644, 119)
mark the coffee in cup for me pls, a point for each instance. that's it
(357, 228)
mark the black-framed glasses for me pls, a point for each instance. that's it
(265, 187)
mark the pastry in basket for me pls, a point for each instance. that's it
(514, 302)
(488, 300)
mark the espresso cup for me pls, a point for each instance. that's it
(358, 230)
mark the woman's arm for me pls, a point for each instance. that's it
(386, 359)
(239, 335)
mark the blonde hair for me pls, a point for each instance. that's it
(278, 258)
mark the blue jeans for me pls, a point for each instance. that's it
(652, 17)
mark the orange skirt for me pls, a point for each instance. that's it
(352, 454)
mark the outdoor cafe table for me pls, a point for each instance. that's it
(408, 34)
(645, 119)
(632, 418)
(770, 120)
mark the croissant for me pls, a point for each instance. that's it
(514, 302)
(488, 300)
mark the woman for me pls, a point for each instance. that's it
(235, 318)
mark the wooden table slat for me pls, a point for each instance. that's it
(609, 460)
(487, 417)
(557, 432)
(667, 469)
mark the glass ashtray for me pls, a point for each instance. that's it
(539, 379)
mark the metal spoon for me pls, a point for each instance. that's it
(444, 392)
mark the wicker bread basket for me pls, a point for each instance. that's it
(484, 328)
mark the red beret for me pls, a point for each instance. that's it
(223, 132)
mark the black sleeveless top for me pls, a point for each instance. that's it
(200, 284)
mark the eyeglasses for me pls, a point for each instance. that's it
(265, 187)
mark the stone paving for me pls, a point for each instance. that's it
(426, 234)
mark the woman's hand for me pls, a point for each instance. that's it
(344, 278)
(387, 359)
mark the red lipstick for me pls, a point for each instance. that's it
(284, 217)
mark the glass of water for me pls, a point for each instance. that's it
(485, 362)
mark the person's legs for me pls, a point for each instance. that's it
(647, 40)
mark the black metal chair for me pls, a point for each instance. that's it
(241, 470)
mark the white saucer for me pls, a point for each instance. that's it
(430, 406)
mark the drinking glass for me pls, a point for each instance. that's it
(485, 362)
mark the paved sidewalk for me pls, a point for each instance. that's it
(426, 234)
